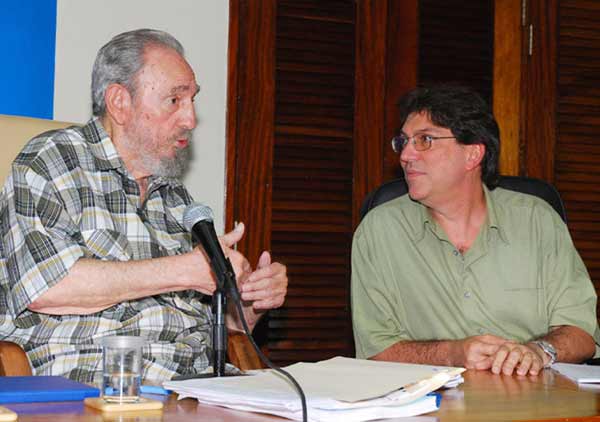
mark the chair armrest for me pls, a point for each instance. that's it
(13, 360)
(241, 353)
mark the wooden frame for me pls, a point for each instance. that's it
(250, 122)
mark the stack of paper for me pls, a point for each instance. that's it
(581, 374)
(339, 389)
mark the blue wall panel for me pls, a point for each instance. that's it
(27, 48)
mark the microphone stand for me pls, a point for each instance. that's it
(226, 282)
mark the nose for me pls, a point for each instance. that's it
(188, 118)
(408, 153)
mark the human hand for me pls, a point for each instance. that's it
(525, 358)
(266, 287)
(201, 275)
(477, 352)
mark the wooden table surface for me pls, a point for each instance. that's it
(483, 397)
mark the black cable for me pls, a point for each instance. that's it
(238, 305)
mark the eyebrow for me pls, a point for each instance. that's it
(427, 129)
(184, 88)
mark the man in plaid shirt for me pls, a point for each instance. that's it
(92, 240)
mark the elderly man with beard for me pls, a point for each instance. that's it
(92, 237)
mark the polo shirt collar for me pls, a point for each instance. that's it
(424, 219)
(493, 216)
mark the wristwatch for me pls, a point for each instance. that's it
(549, 350)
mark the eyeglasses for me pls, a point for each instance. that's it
(421, 141)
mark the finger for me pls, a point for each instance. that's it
(275, 271)
(525, 365)
(499, 359)
(265, 298)
(255, 290)
(269, 303)
(262, 289)
(513, 359)
(536, 365)
(264, 260)
(234, 236)
(482, 364)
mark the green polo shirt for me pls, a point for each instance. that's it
(521, 276)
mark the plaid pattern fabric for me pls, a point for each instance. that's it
(69, 196)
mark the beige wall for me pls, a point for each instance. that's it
(83, 26)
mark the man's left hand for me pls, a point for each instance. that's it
(266, 287)
(525, 359)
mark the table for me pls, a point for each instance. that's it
(483, 397)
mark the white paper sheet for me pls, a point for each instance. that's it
(582, 374)
(337, 389)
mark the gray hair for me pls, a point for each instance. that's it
(119, 60)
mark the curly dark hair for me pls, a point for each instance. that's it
(465, 113)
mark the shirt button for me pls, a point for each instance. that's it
(467, 294)
(455, 252)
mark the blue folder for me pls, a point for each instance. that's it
(43, 389)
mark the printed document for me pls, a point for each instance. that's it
(338, 389)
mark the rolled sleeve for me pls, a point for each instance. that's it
(39, 239)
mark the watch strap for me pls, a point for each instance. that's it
(548, 349)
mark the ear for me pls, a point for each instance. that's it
(118, 103)
(475, 153)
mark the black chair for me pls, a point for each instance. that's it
(537, 187)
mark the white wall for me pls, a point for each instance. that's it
(83, 26)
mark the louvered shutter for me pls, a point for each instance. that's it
(312, 178)
(577, 159)
(456, 43)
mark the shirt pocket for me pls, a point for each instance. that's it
(107, 244)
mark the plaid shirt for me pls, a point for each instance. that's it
(69, 196)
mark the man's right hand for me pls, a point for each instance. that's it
(477, 352)
(240, 264)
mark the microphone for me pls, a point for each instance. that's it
(198, 219)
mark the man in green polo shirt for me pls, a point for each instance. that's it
(459, 273)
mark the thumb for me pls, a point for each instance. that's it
(234, 236)
(264, 260)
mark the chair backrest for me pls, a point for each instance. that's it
(537, 187)
(16, 131)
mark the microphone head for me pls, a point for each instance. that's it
(194, 213)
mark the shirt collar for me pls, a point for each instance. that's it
(108, 158)
(493, 221)
(424, 219)
(101, 146)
